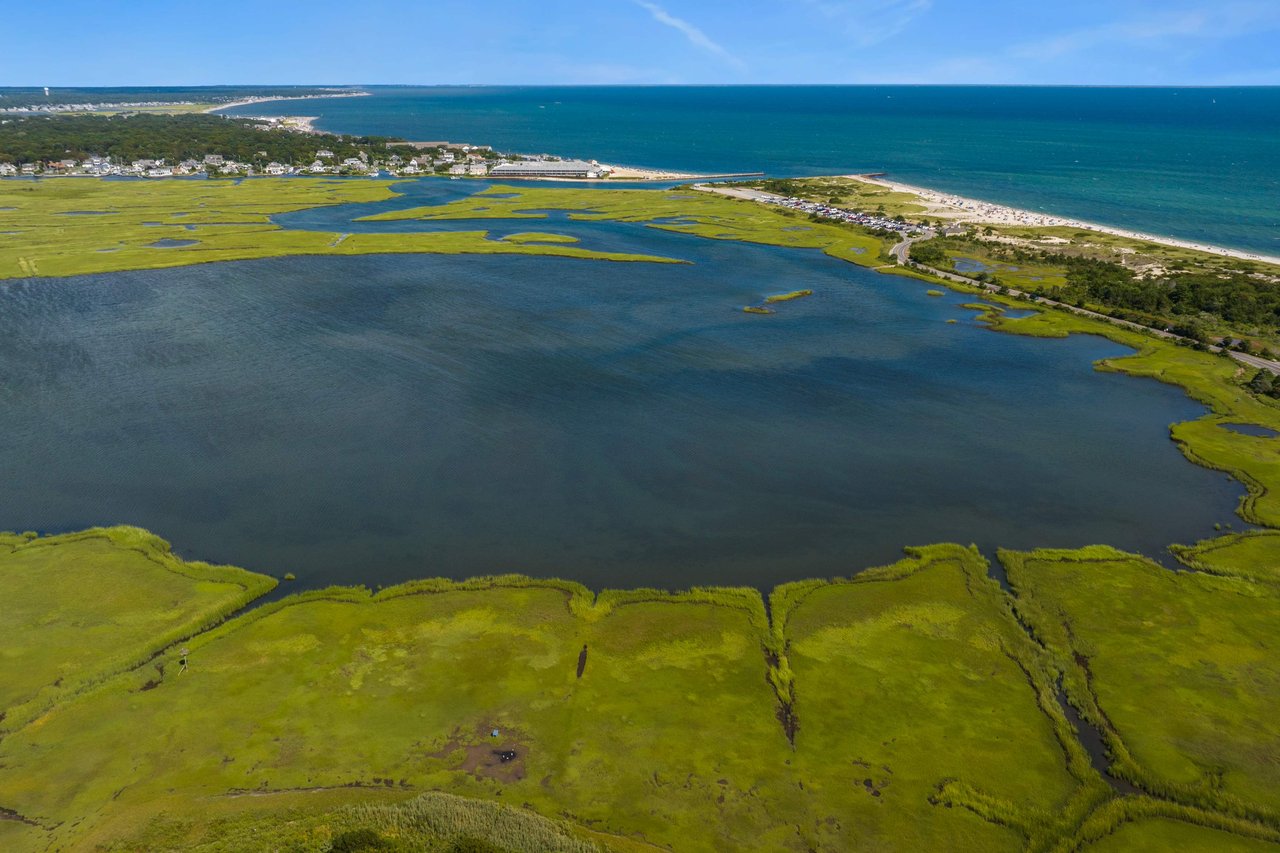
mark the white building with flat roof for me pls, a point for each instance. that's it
(547, 169)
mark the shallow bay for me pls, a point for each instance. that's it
(372, 419)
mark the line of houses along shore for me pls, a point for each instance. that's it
(828, 211)
(437, 159)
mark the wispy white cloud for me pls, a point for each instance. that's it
(1222, 21)
(695, 36)
(869, 22)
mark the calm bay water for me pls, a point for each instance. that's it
(1199, 163)
(373, 419)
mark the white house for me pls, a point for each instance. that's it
(478, 170)
(8, 170)
(274, 168)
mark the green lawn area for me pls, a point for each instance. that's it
(81, 607)
(1181, 670)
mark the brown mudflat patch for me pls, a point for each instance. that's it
(484, 756)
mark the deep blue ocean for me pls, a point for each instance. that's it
(1196, 163)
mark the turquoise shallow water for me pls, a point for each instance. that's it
(373, 419)
(1200, 164)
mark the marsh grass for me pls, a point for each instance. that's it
(701, 214)
(1179, 671)
(227, 220)
(82, 607)
(432, 822)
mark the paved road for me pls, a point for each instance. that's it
(740, 192)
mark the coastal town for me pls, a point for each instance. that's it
(439, 158)
(213, 145)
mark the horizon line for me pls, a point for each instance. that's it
(647, 85)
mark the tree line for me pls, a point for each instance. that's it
(1183, 300)
(174, 138)
(34, 96)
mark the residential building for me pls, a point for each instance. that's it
(8, 170)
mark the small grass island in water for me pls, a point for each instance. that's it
(778, 297)
(787, 297)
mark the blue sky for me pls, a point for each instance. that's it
(141, 42)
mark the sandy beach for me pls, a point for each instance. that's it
(961, 209)
(247, 101)
(635, 173)
(299, 124)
